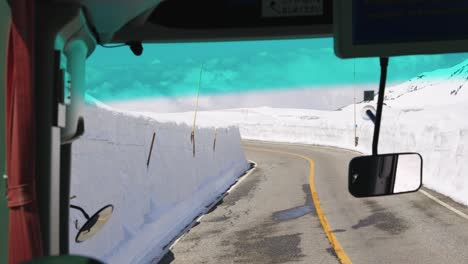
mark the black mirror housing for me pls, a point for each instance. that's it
(386, 174)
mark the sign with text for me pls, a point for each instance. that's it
(368, 95)
(292, 8)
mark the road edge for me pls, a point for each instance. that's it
(196, 220)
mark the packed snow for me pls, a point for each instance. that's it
(426, 114)
(154, 203)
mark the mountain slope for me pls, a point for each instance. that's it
(440, 87)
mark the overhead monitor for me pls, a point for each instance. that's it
(211, 20)
(377, 28)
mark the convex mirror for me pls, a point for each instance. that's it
(94, 223)
(385, 174)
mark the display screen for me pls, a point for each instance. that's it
(403, 21)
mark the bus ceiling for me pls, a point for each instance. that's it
(360, 28)
(206, 20)
(215, 20)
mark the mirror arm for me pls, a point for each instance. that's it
(371, 116)
(80, 129)
(81, 210)
(378, 117)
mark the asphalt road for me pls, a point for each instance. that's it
(270, 217)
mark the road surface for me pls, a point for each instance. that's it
(271, 217)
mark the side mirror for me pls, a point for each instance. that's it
(385, 174)
(94, 223)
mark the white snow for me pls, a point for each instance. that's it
(331, 98)
(427, 114)
(151, 204)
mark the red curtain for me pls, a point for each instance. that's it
(24, 231)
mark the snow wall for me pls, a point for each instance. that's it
(153, 204)
(440, 136)
(423, 115)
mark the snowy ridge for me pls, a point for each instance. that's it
(151, 204)
(440, 87)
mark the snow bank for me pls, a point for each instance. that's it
(439, 134)
(151, 204)
(427, 114)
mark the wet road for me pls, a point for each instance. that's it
(270, 217)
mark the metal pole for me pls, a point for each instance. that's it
(192, 135)
(378, 118)
(151, 150)
(354, 102)
(65, 172)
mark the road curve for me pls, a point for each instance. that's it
(270, 217)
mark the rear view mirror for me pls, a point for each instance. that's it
(385, 174)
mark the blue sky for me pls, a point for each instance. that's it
(172, 70)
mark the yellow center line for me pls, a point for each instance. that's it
(340, 253)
